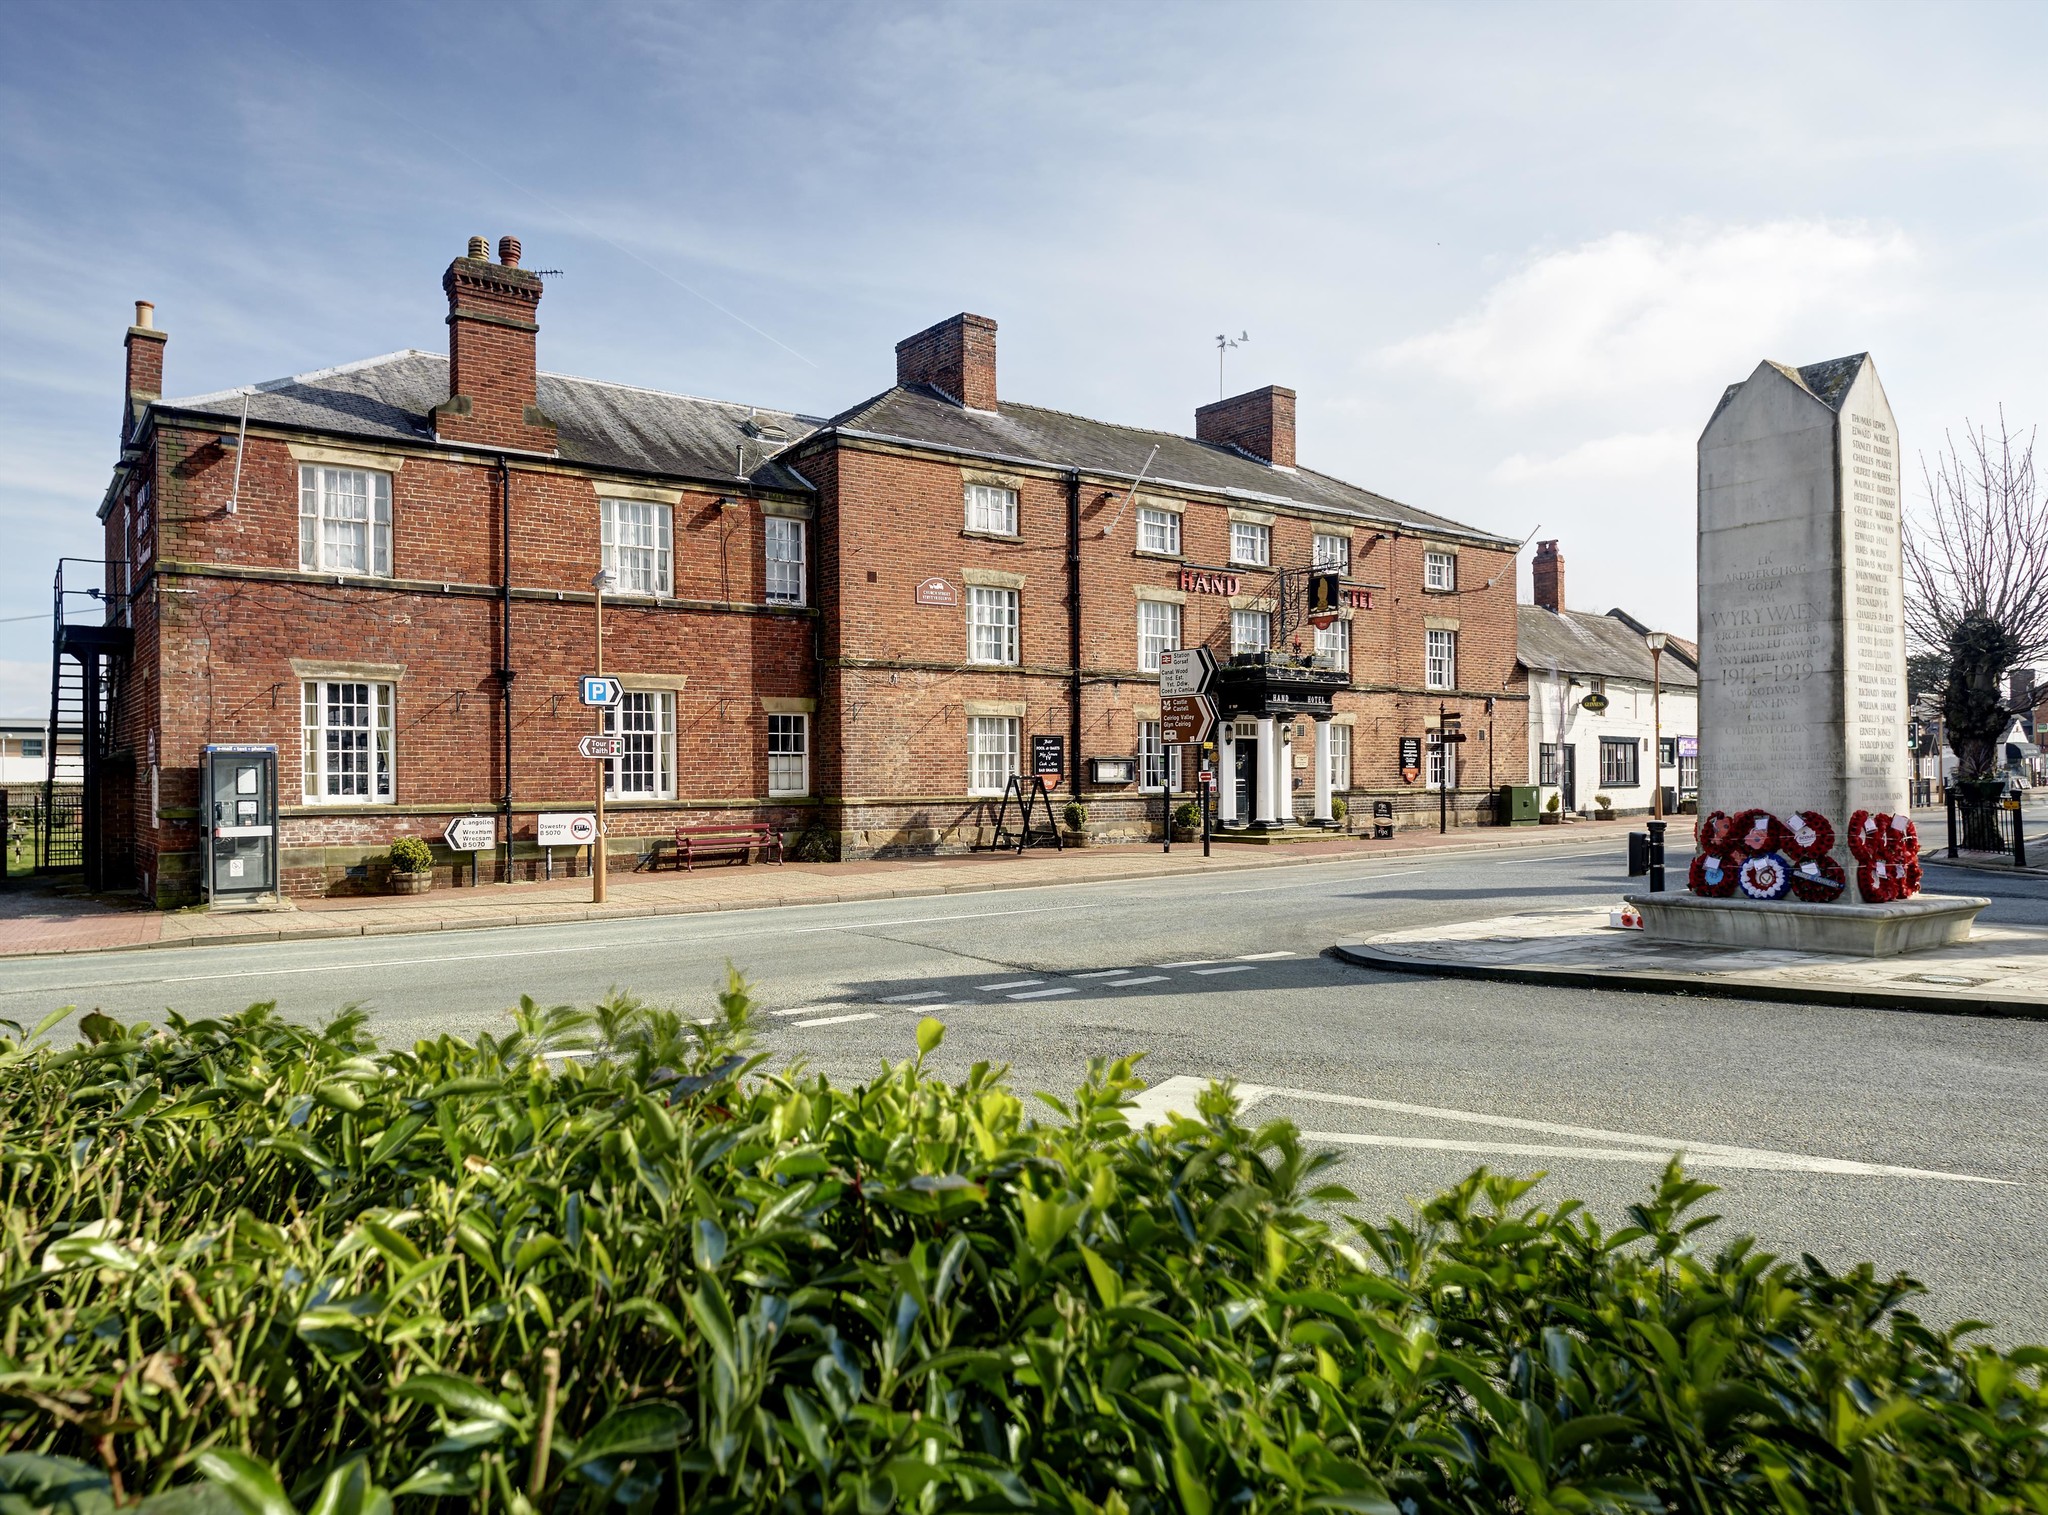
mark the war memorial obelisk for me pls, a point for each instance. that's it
(1806, 839)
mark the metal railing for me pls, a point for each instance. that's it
(1989, 824)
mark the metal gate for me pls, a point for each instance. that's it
(43, 831)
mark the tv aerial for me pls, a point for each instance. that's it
(1223, 344)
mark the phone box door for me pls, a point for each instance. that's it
(239, 789)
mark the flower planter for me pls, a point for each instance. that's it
(1074, 838)
(411, 883)
(1186, 834)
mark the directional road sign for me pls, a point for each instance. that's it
(1186, 671)
(575, 828)
(472, 833)
(601, 689)
(602, 746)
(1185, 718)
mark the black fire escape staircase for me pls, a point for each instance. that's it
(87, 660)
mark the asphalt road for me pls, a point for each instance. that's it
(1917, 1141)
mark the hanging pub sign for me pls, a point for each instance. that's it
(937, 592)
(1049, 756)
(1325, 591)
(1411, 758)
(1595, 702)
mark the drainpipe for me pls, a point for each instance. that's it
(1074, 625)
(505, 674)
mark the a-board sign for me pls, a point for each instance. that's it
(1185, 718)
(1383, 810)
(573, 828)
(472, 833)
(602, 746)
(1049, 756)
(1185, 671)
(600, 689)
(1411, 758)
(937, 592)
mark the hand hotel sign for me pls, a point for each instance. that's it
(1204, 581)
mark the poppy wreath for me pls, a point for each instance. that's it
(1758, 832)
(1765, 875)
(1712, 834)
(1818, 880)
(1880, 882)
(1808, 836)
(1712, 875)
(1887, 851)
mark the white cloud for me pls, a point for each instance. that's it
(1626, 455)
(1631, 310)
(24, 688)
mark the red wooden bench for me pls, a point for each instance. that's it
(695, 841)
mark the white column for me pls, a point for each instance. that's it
(1226, 779)
(1283, 781)
(1263, 816)
(1322, 762)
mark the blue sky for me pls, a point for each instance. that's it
(1508, 255)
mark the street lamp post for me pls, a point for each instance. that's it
(604, 580)
(1656, 639)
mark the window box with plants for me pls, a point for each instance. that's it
(412, 866)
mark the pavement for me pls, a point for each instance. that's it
(1912, 1140)
(40, 921)
(2001, 970)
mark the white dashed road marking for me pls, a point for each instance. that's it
(1127, 983)
(1015, 983)
(904, 999)
(1042, 993)
(1260, 957)
(1103, 973)
(1234, 968)
(840, 1020)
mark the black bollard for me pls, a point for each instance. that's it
(1656, 857)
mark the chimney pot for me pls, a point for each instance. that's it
(145, 315)
(508, 251)
(479, 249)
(1546, 576)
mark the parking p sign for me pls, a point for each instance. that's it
(601, 689)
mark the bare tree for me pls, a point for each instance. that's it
(1976, 564)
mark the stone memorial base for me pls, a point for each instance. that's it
(1915, 925)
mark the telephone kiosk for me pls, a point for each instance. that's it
(238, 788)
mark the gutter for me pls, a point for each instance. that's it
(1074, 627)
(506, 673)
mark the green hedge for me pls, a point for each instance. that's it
(260, 1266)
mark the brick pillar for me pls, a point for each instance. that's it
(493, 382)
(956, 357)
(1547, 576)
(1260, 423)
(145, 347)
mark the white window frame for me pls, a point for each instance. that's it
(1435, 756)
(1440, 571)
(1162, 634)
(1332, 551)
(1159, 531)
(784, 544)
(647, 719)
(644, 569)
(323, 740)
(992, 615)
(324, 493)
(787, 779)
(1155, 759)
(992, 755)
(1340, 758)
(1334, 642)
(1242, 621)
(1251, 545)
(991, 510)
(1439, 659)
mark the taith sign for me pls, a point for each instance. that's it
(937, 592)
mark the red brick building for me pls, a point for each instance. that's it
(851, 628)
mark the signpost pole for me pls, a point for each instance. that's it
(1443, 775)
(602, 582)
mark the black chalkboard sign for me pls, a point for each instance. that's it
(1411, 758)
(1049, 756)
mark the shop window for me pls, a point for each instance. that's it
(992, 510)
(991, 753)
(1250, 631)
(1440, 660)
(1440, 570)
(991, 625)
(1158, 631)
(1157, 764)
(646, 770)
(1333, 646)
(1340, 758)
(1618, 761)
(1332, 552)
(789, 755)
(344, 521)
(1251, 545)
(635, 535)
(345, 732)
(1159, 531)
(785, 559)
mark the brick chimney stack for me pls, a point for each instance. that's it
(493, 381)
(1547, 576)
(956, 357)
(1260, 423)
(145, 347)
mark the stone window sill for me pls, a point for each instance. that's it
(1164, 557)
(993, 536)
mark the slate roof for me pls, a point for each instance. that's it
(920, 416)
(604, 425)
(1572, 641)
